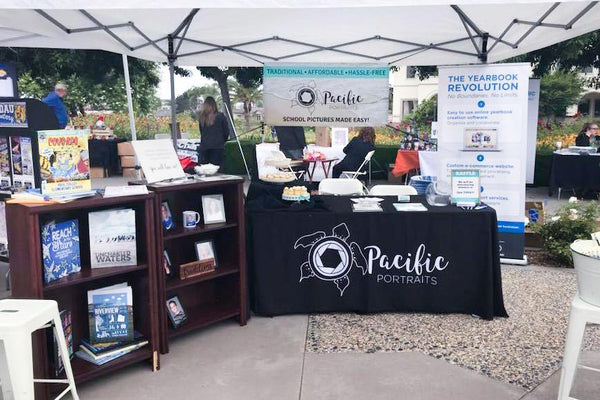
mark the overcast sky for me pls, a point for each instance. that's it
(181, 84)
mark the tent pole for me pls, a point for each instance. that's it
(173, 103)
(129, 99)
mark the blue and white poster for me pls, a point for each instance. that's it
(13, 114)
(482, 114)
(326, 94)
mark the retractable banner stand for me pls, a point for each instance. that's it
(532, 119)
(326, 95)
(482, 114)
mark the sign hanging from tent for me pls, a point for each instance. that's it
(325, 95)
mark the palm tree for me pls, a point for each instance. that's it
(248, 95)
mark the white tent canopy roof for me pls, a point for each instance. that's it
(253, 32)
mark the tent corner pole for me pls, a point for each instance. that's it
(172, 80)
(129, 98)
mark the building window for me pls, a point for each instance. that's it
(584, 107)
(596, 107)
(411, 72)
(408, 106)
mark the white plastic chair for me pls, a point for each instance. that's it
(392, 190)
(359, 171)
(342, 187)
(18, 320)
(581, 313)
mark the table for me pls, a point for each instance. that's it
(406, 161)
(311, 164)
(574, 171)
(104, 153)
(319, 256)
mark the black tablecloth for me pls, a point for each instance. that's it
(580, 172)
(319, 256)
(104, 153)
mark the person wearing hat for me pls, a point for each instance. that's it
(55, 101)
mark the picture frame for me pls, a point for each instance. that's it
(177, 314)
(167, 265)
(205, 250)
(166, 216)
(213, 209)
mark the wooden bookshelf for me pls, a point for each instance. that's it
(24, 224)
(211, 297)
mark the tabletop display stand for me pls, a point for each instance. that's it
(24, 225)
(212, 296)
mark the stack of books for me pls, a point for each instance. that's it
(101, 353)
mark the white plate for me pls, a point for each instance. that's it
(367, 200)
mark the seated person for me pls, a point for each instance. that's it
(291, 140)
(356, 151)
(588, 130)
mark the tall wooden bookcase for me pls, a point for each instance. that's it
(215, 296)
(24, 224)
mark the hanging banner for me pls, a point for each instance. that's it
(532, 119)
(325, 95)
(482, 114)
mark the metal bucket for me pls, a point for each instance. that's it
(587, 269)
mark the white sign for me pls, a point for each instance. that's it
(325, 95)
(158, 159)
(532, 119)
(339, 137)
(465, 186)
(482, 114)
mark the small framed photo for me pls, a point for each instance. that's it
(213, 209)
(176, 312)
(205, 250)
(168, 267)
(166, 216)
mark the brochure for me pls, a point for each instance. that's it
(409, 207)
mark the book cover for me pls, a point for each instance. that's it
(60, 249)
(5, 179)
(64, 161)
(112, 238)
(110, 312)
(15, 155)
(65, 319)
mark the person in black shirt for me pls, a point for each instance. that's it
(214, 132)
(291, 140)
(585, 135)
(356, 151)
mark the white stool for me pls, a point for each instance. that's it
(581, 314)
(18, 320)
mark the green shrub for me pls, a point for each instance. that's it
(572, 221)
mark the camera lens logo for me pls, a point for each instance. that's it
(306, 97)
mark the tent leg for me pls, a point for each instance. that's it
(238, 140)
(129, 99)
(130, 108)
(173, 103)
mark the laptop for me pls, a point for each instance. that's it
(480, 139)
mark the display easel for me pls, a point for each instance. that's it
(238, 139)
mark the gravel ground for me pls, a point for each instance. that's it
(523, 349)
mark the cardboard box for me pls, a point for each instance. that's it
(125, 149)
(127, 161)
(129, 173)
(323, 138)
(97, 172)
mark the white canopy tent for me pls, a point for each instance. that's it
(253, 32)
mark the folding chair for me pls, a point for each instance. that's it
(359, 172)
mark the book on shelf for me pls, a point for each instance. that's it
(84, 355)
(99, 352)
(112, 238)
(65, 319)
(60, 249)
(110, 312)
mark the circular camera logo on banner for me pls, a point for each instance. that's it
(306, 97)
